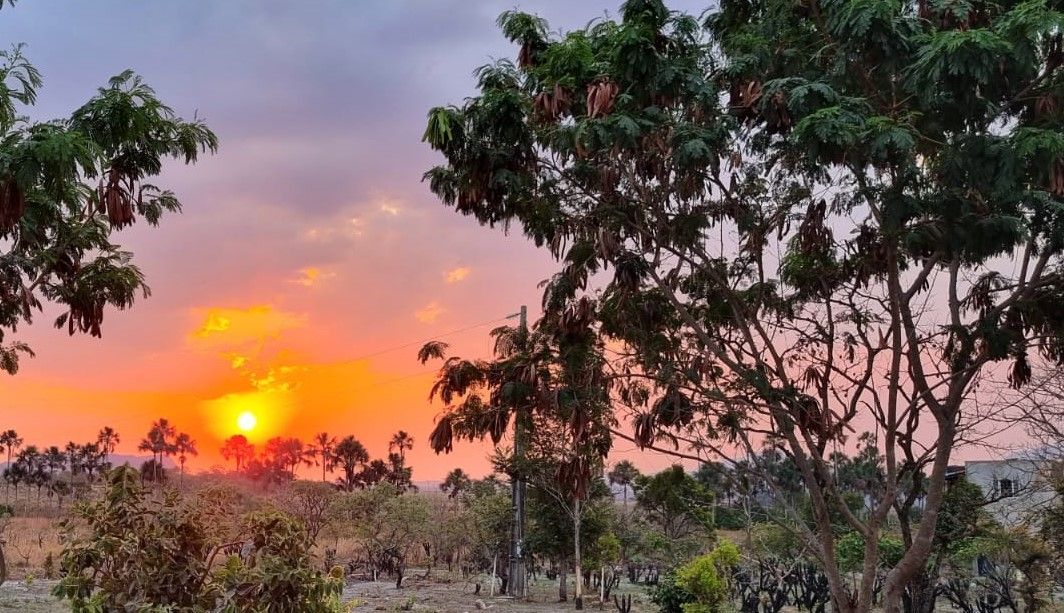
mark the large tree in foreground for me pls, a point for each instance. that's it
(803, 220)
(66, 187)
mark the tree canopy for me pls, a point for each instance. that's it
(799, 220)
(68, 185)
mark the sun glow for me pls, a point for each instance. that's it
(246, 421)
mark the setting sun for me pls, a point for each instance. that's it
(246, 421)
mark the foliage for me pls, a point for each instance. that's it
(279, 574)
(676, 501)
(669, 596)
(68, 185)
(791, 212)
(155, 553)
(851, 551)
(707, 578)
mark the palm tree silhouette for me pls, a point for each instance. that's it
(108, 439)
(323, 448)
(184, 446)
(11, 441)
(159, 443)
(401, 442)
(238, 449)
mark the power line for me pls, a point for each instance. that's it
(432, 338)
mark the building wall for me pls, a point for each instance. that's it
(1030, 492)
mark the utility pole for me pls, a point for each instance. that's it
(517, 586)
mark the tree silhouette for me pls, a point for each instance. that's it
(160, 443)
(624, 474)
(323, 447)
(456, 482)
(401, 443)
(238, 449)
(184, 446)
(350, 456)
(108, 440)
(11, 442)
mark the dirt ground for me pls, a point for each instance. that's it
(35, 597)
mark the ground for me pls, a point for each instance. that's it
(35, 597)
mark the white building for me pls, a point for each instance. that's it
(1016, 488)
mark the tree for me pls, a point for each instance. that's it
(91, 460)
(11, 442)
(323, 447)
(351, 457)
(401, 443)
(675, 501)
(238, 449)
(457, 481)
(811, 216)
(55, 459)
(108, 440)
(287, 454)
(160, 443)
(184, 446)
(553, 379)
(624, 474)
(68, 186)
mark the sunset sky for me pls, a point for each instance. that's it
(308, 247)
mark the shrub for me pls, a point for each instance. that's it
(708, 579)
(147, 553)
(850, 551)
(669, 596)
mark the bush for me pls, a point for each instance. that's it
(708, 579)
(146, 553)
(850, 551)
(669, 596)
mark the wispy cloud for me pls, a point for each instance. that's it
(456, 274)
(429, 313)
(312, 276)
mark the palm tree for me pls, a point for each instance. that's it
(350, 456)
(10, 440)
(624, 474)
(456, 482)
(108, 440)
(159, 442)
(184, 446)
(55, 459)
(238, 449)
(91, 459)
(73, 454)
(401, 442)
(323, 447)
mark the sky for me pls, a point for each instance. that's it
(310, 261)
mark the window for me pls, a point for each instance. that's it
(1006, 487)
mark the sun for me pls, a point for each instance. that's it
(246, 421)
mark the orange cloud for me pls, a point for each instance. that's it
(228, 327)
(312, 276)
(456, 274)
(429, 313)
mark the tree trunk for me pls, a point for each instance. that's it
(494, 563)
(915, 558)
(3, 566)
(563, 587)
(577, 570)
